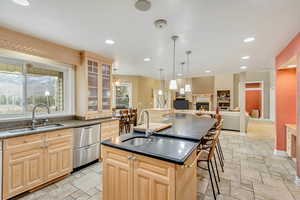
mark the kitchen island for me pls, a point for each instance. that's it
(159, 167)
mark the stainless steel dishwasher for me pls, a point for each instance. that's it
(86, 145)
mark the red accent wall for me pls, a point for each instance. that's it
(253, 100)
(286, 95)
(293, 49)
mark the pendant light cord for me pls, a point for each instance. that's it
(174, 59)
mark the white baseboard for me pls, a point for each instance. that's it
(297, 180)
(280, 153)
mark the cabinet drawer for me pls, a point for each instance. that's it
(59, 134)
(85, 136)
(23, 140)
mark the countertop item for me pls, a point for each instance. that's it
(65, 124)
(174, 144)
(152, 126)
(173, 150)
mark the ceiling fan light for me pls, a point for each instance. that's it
(173, 85)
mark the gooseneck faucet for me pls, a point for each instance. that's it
(34, 121)
(148, 132)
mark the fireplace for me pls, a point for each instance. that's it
(202, 106)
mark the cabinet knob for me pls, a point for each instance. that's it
(130, 157)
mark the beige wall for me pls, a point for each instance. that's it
(203, 84)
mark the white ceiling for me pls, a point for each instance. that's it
(213, 29)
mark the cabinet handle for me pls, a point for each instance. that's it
(193, 163)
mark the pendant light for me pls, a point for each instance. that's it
(173, 82)
(188, 87)
(160, 91)
(181, 90)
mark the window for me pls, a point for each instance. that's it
(24, 85)
(123, 98)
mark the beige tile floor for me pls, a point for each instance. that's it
(252, 172)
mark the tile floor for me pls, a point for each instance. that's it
(252, 172)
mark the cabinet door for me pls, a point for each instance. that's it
(153, 179)
(117, 175)
(93, 74)
(59, 155)
(106, 87)
(23, 164)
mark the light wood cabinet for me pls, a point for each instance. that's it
(30, 161)
(59, 154)
(143, 178)
(118, 179)
(93, 86)
(109, 130)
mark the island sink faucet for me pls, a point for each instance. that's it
(34, 121)
(148, 131)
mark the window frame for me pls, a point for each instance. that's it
(68, 88)
(127, 84)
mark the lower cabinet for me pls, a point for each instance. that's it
(30, 161)
(131, 176)
(109, 130)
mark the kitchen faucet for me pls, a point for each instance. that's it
(34, 121)
(148, 131)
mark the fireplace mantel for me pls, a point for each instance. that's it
(203, 97)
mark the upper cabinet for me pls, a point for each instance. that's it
(93, 86)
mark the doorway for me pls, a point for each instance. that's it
(254, 99)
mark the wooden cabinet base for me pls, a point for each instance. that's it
(139, 177)
(33, 160)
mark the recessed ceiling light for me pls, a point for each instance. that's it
(21, 2)
(207, 71)
(243, 67)
(245, 57)
(179, 74)
(249, 39)
(147, 59)
(109, 42)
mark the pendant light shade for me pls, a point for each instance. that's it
(173, 85)
(160, 92)
(181, 91)
(188, 87)
(173, 82)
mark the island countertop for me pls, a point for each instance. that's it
(174, 144)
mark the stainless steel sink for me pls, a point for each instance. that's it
(137, 141)
(50, 126)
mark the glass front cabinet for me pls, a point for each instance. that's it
(93, 87)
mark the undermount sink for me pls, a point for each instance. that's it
(137, 141)
(37, 128)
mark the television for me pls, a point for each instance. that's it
(181, 104)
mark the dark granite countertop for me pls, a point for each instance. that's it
(174, 144)
(169, 149)
(66, 124)
(187, 126)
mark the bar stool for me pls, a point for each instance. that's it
(207, 141)
(209, 158)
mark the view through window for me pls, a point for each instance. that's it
(123, 96)
(22, 86)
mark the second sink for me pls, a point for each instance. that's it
(137, 141)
